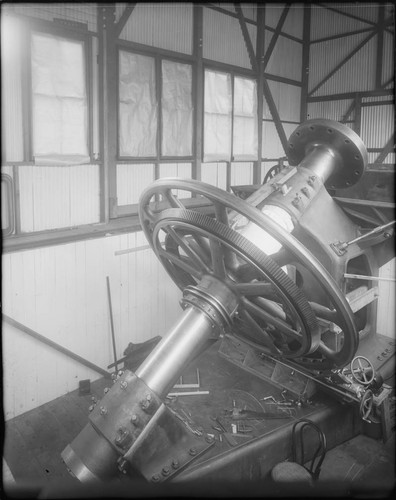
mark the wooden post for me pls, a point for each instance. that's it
(108, 77)
(198, 89)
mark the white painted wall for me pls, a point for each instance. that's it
(61, 293)
(386, 319)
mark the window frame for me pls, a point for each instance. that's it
(68, 34)
(158, 157)
(10, 199)
(233, 74)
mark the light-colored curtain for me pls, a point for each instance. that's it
(177, 109)
(60, 125)
(138, 105)
(217, 117)
(245, 119)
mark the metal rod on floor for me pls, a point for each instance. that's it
(112, 324)
(55, 346)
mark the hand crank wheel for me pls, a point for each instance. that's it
(362, 370)
(273, 311)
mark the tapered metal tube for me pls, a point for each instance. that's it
(321, 161)
(182, 343)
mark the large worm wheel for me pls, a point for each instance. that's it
(273, 311)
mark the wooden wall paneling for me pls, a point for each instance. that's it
(273, 11)
(325, 56)
(286, 58)
(95, 98)
(97, 318)
(61, 293)
(83, 13)
(146, 289)
(386, 319)
(287, 99)
(166, 26)
(377, 125)
(215, 174)
(84, 193)
(51, 201)
(272, 147)
(182, 170)
(249, 10)
(127, 312)
(111, 268)
(241, 173)
(27, 199)
(131, 180)
(332, 110)
(294, 20)
(11, 107)
(326, 23)
(215, 25)
(388, 63)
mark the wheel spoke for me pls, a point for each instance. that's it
(271, 307)
(217, 254)
(324, 312)
(281, 325)
(172, 199)
(180, 240)
(200, 246)
(179, 262)
(327, 352)
(263, 289)
(221, 213)
(282, 257)
(260, 332)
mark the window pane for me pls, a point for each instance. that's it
(138, 105)
(7, 208)
(60, 124)
(177, 109)
(217, 119)
(245, 119)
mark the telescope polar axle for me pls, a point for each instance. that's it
(288, 298)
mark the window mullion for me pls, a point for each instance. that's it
(27, 95)
(158, 90)
(232, 115)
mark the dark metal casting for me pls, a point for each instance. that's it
(262, 269)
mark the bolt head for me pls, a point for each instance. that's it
(123, 385)
(192, 451)
(175, 464)
(166, 471)
(155, 478)
(134, 418)
(103, 410)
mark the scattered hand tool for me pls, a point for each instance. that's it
(239, 414)
(223, 431)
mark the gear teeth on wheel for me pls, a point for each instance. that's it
(264, 262)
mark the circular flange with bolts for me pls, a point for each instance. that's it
(271, 307)
(341, 141)
(362, 370)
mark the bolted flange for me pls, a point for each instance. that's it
(331, 149)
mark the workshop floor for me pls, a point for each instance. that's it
(34, 441)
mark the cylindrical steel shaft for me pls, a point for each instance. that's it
(321, 161)
(183, 342)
